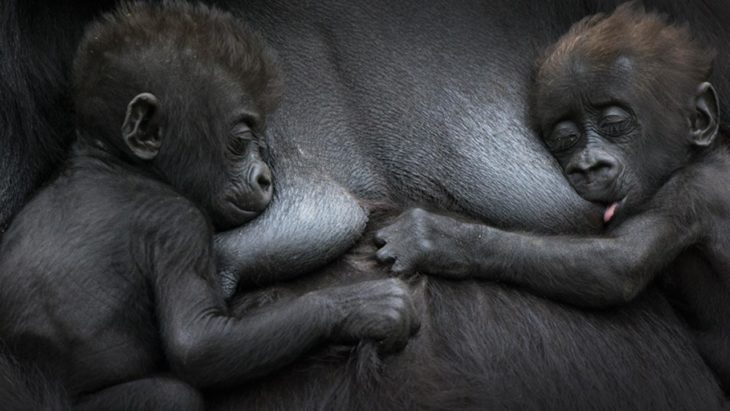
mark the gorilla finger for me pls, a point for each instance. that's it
(385, 234)
(398, 344)
(380, 238)
(401, 266)
(415, 326)
(395, 342)
(415, 321)
(385, 256)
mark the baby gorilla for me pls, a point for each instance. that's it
(623, 103)
(107, 278)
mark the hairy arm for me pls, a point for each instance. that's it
(589, 271)
(207, 345)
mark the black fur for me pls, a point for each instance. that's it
(631, 132)
(35, 125)
(425, 102)
(119, 303)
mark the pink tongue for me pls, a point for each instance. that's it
(608, 214)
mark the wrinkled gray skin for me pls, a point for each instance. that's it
(424, 102)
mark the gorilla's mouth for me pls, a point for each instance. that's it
(599, 191)
(239, 213)
(231, 215)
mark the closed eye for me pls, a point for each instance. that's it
(615, 128)
(615, 121)
(240, 141)
(238, 145)
(563, 137)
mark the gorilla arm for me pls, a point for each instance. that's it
(208, 346)
(586, 271)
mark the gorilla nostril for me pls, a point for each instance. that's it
(264, 182)
(260, 177)
(603, 170)
(594, 167)
(601, 164)
(573, 170)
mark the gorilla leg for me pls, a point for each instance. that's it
(154, 393)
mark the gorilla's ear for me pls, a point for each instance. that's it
(140, 129)
(704, 122)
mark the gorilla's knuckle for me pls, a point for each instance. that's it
(400, 267)
(394, 285)
(381, 236)
(425, 245)
(630, 290)
(415, 324)
(399, 292)
(385, 255)
(397, 303)
(394, 316)
(379, 291)
(417, 216)
(417, 212)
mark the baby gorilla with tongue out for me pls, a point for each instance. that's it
(623, 103)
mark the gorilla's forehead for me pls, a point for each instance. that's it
(585, 84)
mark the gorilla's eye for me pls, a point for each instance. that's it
(238, 146)
(241, 137)
(615, 121)
(564, 136)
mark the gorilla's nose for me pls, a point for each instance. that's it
(260, 181)
(593, 167)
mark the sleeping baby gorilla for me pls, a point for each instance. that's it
(107, 278)
(623, 103)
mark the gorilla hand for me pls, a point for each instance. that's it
(380, 310)
(426, 242)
